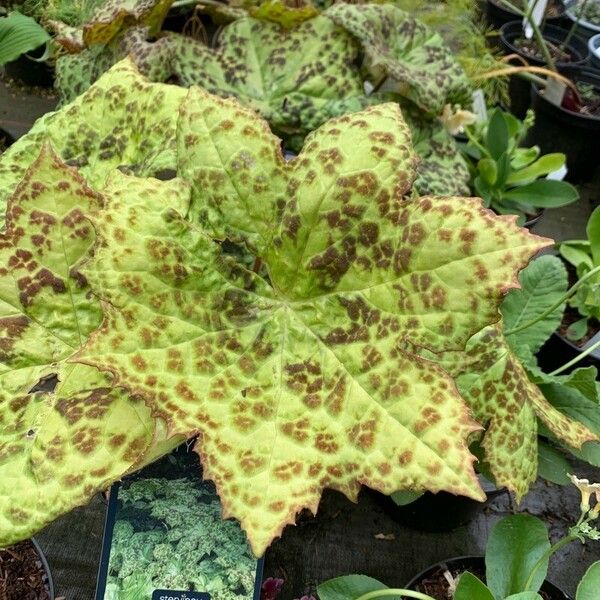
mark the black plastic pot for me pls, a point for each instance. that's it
(585, 29)
(496, 15)
(46, 568)
(558, 350)
(435, 512)
(30, 72)
(477, 564)
(519, 88)
(559, 130)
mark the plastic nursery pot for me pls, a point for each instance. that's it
(585, 29)
(533, 220)
(557, 129)
(594, 47)
(17, 584)
(30, 72)
(558, 350)
(519, 88)
(432, 581)
(497, 15)
(435, 512)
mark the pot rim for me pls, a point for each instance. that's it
(575, 68)
(45, 566)
(549, 32)
(466, 558)
(569, 5)
(594, 45)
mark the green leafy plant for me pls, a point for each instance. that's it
(306, 372)
(516, 558)
(170, 534)
(19, 34)
(584, 255)
(509, 178)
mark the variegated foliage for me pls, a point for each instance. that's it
(308, 371)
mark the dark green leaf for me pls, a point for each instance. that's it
(19, 34)
(515, 545)
(350, 587)
(489, 170)
(578, 329)
(545, 193)
(497, 135)
(593, 233)
(552, 464)
(471, 588)
(404, 497)
(589, 586)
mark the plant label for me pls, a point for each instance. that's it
(536, 12)
(164, 538)
(479, 107)
(555, 91)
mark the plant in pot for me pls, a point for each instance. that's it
(307, 370)
(585, 15)
(514, 568)
(570, 121)
(499, 12)
(24, 573)
(509, 178)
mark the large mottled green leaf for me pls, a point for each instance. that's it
(418, 63)
(122, 122)
(65, 431)
(303, 379)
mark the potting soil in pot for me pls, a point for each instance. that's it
(22, 575)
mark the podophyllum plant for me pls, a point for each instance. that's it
(295, 76)
(516, 559)
(512, 179)
(584, 255)
(305, 374)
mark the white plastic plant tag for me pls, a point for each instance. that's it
(559, 174)
(368, 87)
(479, 107)
(537, 15)
(555, 91)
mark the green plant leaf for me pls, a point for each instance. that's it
(404, 497)
(496, 386)
(291, 361)
(545, 193)
(349, 587)
(415, 58)
(113, 15)
(593, 234)
(543, 283)
(552, 464)
(544, 165)
(67, 431)
(488, 170)
(514, 546)
(497, 135)
(19, 34)
(590, 584)
(522, 157)
(577, 329)
(577, 253)
(525, 596)
(279, 12)
(471, 588)
(102, 129)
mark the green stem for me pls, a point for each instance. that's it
(574, 26)
(540, 38)
(394, 592)
(550, 310)
(546, 556)
(579, 357)
(476, 142)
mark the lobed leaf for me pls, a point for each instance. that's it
(122, 122)
(66, 432)
(413, 56)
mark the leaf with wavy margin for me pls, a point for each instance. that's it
(303, 380)
(65, 431)
(415, 58)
